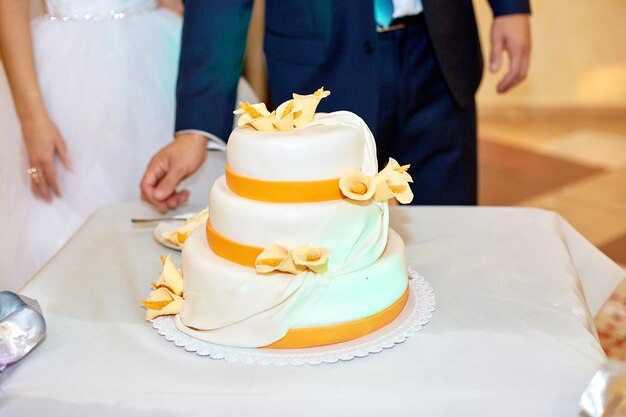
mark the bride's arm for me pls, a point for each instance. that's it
(41, 136)
(174, 5)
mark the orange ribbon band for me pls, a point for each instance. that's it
(283, 191)
(319, 336)
(229, 249)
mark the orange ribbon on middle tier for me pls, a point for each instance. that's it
(283, 191)
(229, 249)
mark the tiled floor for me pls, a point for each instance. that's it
(572, 162)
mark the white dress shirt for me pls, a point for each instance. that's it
(403, 8)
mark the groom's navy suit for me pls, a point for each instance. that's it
(414, 87)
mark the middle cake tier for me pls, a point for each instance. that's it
(354, 232)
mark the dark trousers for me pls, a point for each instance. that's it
(420, 123)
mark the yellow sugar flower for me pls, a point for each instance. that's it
(308, 106)
(393, 182)
(285, 114)
(393, 185)
(167, 296)
(393, 165)
(162, 302)
(178, 236)
(170, 277)
(270, 259)
(315, 259)
(276, 258)
(255, 115)
(357, 186)
(265, 123)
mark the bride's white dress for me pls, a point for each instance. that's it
(107, 70)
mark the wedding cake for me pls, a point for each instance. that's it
(297, 250)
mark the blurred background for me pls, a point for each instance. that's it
(558, 141)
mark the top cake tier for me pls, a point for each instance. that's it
(318, 152)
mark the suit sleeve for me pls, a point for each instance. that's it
(502, 7)
(212, 48)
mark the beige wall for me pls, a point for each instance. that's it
(578, 57)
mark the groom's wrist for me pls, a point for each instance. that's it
(191, 139)
(213, 142)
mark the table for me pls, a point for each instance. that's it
(512, 334)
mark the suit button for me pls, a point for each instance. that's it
(368, 47)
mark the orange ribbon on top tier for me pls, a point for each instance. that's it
(283, 191)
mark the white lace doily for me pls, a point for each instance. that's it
(416, 313)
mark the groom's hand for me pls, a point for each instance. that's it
(169, 167)
(510, 34)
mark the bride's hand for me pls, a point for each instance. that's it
(43, 142)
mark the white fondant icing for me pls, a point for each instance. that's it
(307, 154)
(326, 148)
(341, 226)
(224, 296)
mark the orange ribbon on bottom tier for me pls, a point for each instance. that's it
(320, 336)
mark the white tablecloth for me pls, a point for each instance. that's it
(511, 335)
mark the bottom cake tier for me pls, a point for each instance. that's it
(220, 293)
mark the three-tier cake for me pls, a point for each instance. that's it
(297, 250)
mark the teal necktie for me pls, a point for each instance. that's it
(383, 12)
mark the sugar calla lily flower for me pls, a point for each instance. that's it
(308, 104)
(357, 186)
(265, 123)
(162, 303)
(315, 259)
(285, 113)
(276, 258)
(167, 296)
(400, 188)
(393, 185)
(178, 236)
(393, 165)
(288, 265)
(170, 278)
(393, 182)
(271, 258)
(255, 115)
